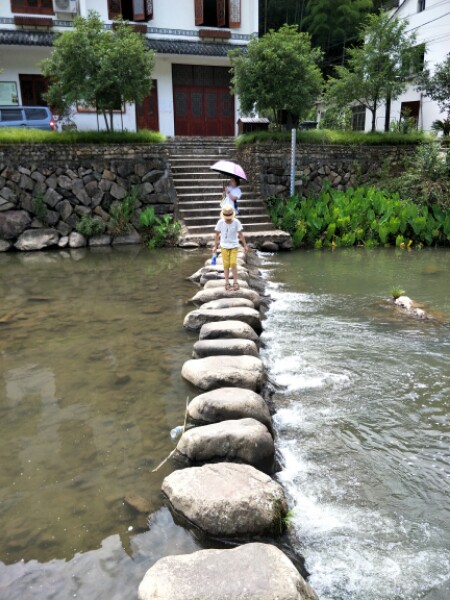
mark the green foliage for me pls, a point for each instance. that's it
(98, 67)
(90, 226)
(159, 231)
(441, 126)
(338, 119)
(379, 68)
(363, 217)
(326, 136)
(396, 292)
(425, 180)
(437, 85)
(40, 208)
(121, 212)
(279, 72)
(15, 135)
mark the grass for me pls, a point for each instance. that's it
(328, 136)
(12, 135)
(396, 292)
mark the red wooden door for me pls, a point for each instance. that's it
(32, 87)
(147, 116)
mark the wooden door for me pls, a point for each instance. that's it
(147, 115)
(32, 87)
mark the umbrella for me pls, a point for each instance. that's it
(226, 167)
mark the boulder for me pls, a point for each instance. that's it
(209, 295)
(13, 223)
(224, 404)
(197, 318)
(5, 245)
(220, 283)
(137, 503)
(227, 347)
(100, 240)
(76, 240)
(407, 305)
(228, 330)
(269, 247)
(228, 303)
(63, 241)
(36, 239)
(225, 371)
(132, 237)
(227, 500)
(252, 571)
(243, 441)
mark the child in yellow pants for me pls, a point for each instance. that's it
(229, 230)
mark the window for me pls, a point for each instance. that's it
(32, 88)
(410, 111)
(36, 114)
(218, 13)
(421, 5)
(35, 7)
(358, 118)
(11, 114)
(131, 10)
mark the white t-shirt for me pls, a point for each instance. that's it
(237, 192)
(229, 233)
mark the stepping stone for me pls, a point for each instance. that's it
(225, 371)
(220, 347)
(219, 269)
(211, 294)
(220, 277)
(197, 318)
(243, 441)
(220, 283)
(228, 330)
(227, 500)
(249, 572)
(229, 403)
(228, 303)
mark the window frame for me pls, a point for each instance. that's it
(358, 114)
(31, 10)
(421, 5)
(141, 17)
(228, 14)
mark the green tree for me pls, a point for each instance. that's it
(279, 72)
(379, 70)
(437, 87)
(96, 67)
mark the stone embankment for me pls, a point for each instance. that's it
(225, 490)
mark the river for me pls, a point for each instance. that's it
(91, 348)
(363, 398)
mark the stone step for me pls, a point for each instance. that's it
(202, 188)
(197, 194)
(244, 206)
(198, 176)
(212, 216)
(189, 215)
(201, 230)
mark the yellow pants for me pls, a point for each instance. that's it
(229, 257)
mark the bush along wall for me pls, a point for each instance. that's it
(360, 217)
(78, 195)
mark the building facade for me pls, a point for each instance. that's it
(430, 21)
(191, 38)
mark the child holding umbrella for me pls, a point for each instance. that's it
(232, 194)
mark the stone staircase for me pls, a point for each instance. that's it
(199, 191)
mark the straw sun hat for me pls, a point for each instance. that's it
(227, 212)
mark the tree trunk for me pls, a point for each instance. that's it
(374, 117)
(387, 116)
(111, 120)
(266, 7)
(106, 120)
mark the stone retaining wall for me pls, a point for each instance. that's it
(51, 186)
(342, 166)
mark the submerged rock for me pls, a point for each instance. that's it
(225, 371)
(250, 572)
(197, 318)
(137, 503)
(224, 404)
(37, 239)
(219, 347)
(407, 305)
(227, 500)
(228, 330)
(211, 294)
(243, 440)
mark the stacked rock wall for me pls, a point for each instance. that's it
(341, 166)
(49, 187)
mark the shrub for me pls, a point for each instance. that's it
(121, 212)
(90, 226)
(159, 231)
(396, 292)
(363, 217)
(12, 135)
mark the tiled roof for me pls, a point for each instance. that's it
(19, 37)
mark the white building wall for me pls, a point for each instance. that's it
(432, 28)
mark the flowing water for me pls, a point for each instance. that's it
(91, 348)
(363, 398)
